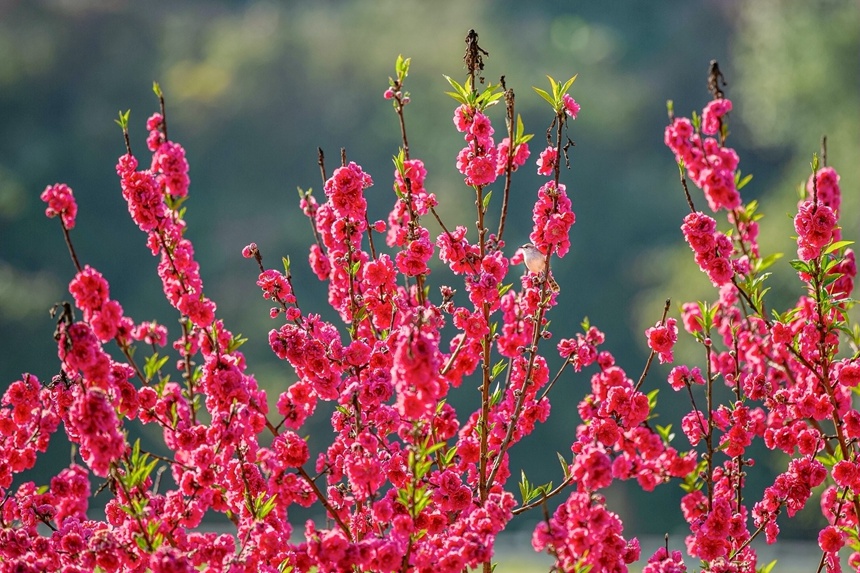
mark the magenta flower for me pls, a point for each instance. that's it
(548, 161)
(662, 338)
(61, 202)
(571, 108)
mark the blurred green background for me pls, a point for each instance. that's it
(254, 87)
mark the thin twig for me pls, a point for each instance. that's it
(653, 352)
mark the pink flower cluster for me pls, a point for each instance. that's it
(61, 202)
(788, 383)
(27, 421)
(710, 165)
(553, 217)
(713, 249)
(168, 159)
(481, 161)
(571, 108)
(584, 534)
(581, 351)
(791, 490)
(406, 484)
(662, 338)
(816, 217)
(416, 200)
(91, 294)
(519, 158)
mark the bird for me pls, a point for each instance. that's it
(535, 262)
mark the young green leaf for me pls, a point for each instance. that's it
(544, 95)
(836, 246)
(486, 201)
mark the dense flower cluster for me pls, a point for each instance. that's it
(713, 249)
(61, 202)
(784, 372)
(816, 217)
(709, 164)
(406, 482)
(662, 338)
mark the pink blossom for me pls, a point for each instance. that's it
(571, 108)
(291, 449)
(548, 161)
(831, 539)
(662, 338)
(61, 201)
(90, 290)
(713, 113)
(825, 185)
(463, 117)
(849, 373)
(815, 225)
(521, 155)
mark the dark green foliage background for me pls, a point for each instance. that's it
(253, 88)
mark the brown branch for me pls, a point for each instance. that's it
(653, 352)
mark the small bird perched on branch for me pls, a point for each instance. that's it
(535, 262)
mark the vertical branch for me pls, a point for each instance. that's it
(474, 61)
(510, 120)
(71, 247)
(709, 435)
(321, 163)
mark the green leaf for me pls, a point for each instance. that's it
(434, 448)
(496, 396)
(505, 288)
(448, 458)
(564, 89)
(343, 410)
(235, 342)
(462, 94)
(767, 568)
(498, 368)
(585, 324)
(665, 433)
(836, 246)
(696, 121)
(762, 264)
(490, 96)
(486, 201)
(286, 261)
(652, 398)
(123, 119)
(153, 364)
(709, 314)
(829, 460)
(545, 96)
(402, 67)
(800, 266)
(521, 137)
(266, 507)
(525, 488)
(741, 183)
(156, 88)
(565, 467)
(457, 87)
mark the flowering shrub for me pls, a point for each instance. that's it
(408, 483)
